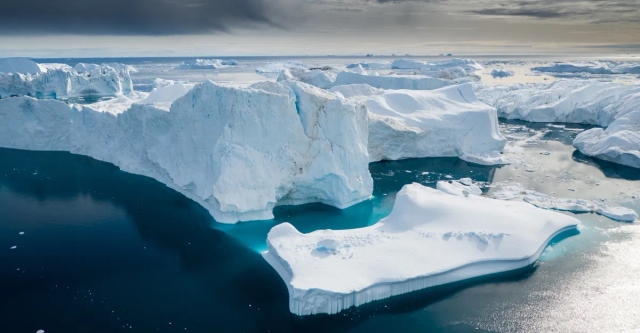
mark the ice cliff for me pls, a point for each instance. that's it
(238, 152)
(328, 271)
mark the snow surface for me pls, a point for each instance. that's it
(236, 151)
(207, 64)
(328, 271)
(466, 64)
(20, 66)
(594, 67)
(82, 81)
(570, 101)
(428, 123)
(620, 142)
(501, 72)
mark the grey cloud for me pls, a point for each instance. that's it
(129, 17)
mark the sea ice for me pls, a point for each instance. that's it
(328, 271)
(236, 151)
(466, 64)
(20, 66)
(595, 67)
(370, 65)
(581, 206)
(207, 64)
(501, 72)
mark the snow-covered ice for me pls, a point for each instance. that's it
(613, 212)
(570, 101)
(429, 123)
(328, 271)
(165, 95)
(236, 151)
(501, 72)
(410, 82)
(592, 67)
(370, 65)
(620, 141)
(20, 66)
(207, 64)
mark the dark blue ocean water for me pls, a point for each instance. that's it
(106, 251)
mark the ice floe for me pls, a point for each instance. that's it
(236, 151)
(328, 271)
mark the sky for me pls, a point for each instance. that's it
(102, 28)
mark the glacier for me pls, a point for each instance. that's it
(570, 101)
(20, 66)
(449, 121)
(620, 141)
(328, 271)
(84, 80)
(236, 151)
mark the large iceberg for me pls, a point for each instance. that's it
(83, 80)
(466, 64)
(207, 64)
(620, 141)
(20, 66)
(428, 123)
(570, 101)
(411, 82)
(236, 151)
(430, 238)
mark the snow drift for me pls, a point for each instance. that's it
(328, 271)
(236, 151)
(432, 123)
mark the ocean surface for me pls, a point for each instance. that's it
(87, 248)
(107, 251)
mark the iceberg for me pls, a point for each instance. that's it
(276, 67)
(595, 67)
(165, 94)
(83, 81)
(569, 101)
(370, 65)
(466, 64)
(620, 141)
(20, 66)
(411, 82)
(238, 152)
(315, 77)
(501, 72)
(207, 64)
(428, 123)
(328, 271)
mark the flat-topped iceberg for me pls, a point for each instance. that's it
(620, 141)
(84, 80)
(429, 123)
(328, 271)
(570, 101)
(20, 66)
(238, 152)
(466, 64)
(207, 64)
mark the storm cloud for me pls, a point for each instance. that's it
(130, 17)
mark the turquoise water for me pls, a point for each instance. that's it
(107, 251)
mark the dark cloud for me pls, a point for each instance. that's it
(129, 17)
(537, 13)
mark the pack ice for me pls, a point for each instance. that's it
(430, 123)
(236, 151)
(620, 141)
(570, 101)
(81, 81)
(328, 271)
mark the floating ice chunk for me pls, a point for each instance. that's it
(404, 252)
(40, 331)
(20, 66)
(489, 158)
(370, 65)
(581, 206)
(501, 72)
(13, 247)
(620, 142)
(236, 151)
(207, 64)
(21, 233)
